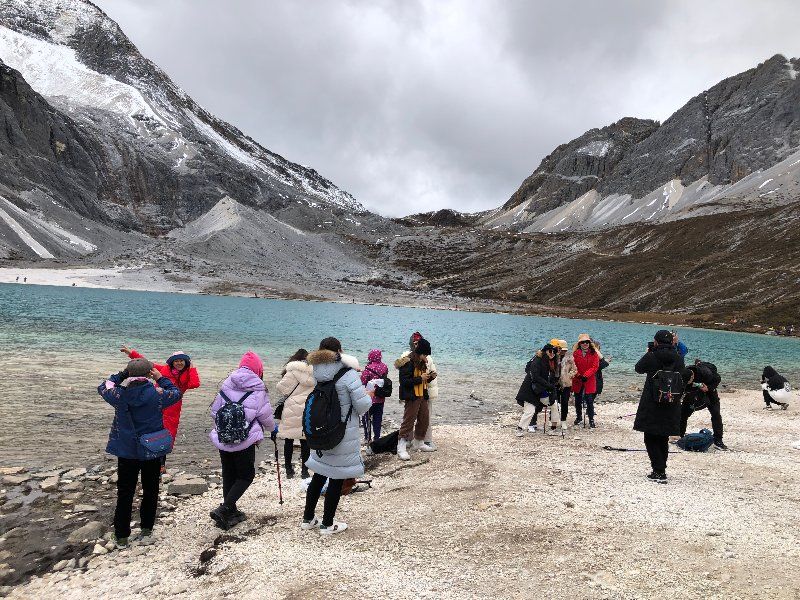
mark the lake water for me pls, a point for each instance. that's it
(56, 343)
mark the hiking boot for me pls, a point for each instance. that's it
(720, 445)
(578, 421)
(119, 543)
(591, 424)
(520, 432)
(784, 406)
(309, 525)
(289, 471)
(223, 517)
(658, 477)
(336, 527)
(402, 453)
(304, 474)
(768, 407)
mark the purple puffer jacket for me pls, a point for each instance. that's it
(256, 406)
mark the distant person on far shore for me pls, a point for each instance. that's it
(138, 405)
(659, 413)
(242, 415)
(539, 383)
(584, 384)
(375, 369)
(179, 370)
(297, 382)
(776, 388)
(414, 379)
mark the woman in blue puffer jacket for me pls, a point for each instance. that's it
(344, 460)
(138, 406)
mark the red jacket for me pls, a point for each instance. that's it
(188, 379)
(587, 367)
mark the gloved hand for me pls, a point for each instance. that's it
(274, 435)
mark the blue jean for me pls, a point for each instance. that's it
(375, 414)
(588, 399)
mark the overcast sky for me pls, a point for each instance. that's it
(415, 105)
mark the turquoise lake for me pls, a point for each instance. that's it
(89, 322)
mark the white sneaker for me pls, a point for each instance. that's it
(532, 429)
(423, 447)
(520, 432)
(431, 447)
(312, 524)
(368, 451)
(563, 425)
(337, 527)
(402, 453)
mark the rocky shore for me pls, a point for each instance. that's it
(489, 515)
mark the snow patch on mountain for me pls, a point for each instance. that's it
(54, 71)
(598, 148)
(26, 237)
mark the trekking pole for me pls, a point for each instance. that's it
(278, 468)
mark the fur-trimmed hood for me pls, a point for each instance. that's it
(322, 357)
(403, 360)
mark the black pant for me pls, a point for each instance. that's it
(658, 451)
(238, 472)
(581, 398)
(288, 450)
(563, 398)
(331, 498)
(712, 398)
(769, 400)
(127, 476)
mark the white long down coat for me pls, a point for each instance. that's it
(296, 385)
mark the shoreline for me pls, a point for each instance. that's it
(147, 279)
(478, 513)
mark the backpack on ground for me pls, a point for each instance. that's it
(668, 387)
(386, 443)
(322, 415)
(231, 422)
(696, 442)
(385, 391)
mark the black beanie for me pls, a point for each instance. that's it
(139, 367)
(424, 347)
(663, 337)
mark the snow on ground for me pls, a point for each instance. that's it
(791, 69)
(54, 70)
(52, 228)
(24, 235)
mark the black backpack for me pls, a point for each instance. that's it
(387, 443)
(384, 391)
(668, 387)
(322, 415)
(231, 422)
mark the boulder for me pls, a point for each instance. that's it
(49, 485)
(91, 531)
(98, 549)
(72, 474)
(12, 470)
(15, 479)
(188, 484)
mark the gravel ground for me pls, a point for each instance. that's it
(491, 515)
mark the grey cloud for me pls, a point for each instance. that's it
(419, 105)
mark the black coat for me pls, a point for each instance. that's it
(407, 381)
(653, 417)
(599, 376)
(773, 379)
(539, 378)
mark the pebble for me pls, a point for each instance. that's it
(98, 549)
(72, 474)
(50, 484)
(85, 508)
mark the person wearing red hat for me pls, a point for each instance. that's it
(179, 370)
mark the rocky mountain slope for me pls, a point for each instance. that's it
(734, 146)
(102, 152)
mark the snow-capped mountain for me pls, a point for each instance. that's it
(97, 137)
(732, 147)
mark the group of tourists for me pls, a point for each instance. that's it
(147, 400)
(555, 373)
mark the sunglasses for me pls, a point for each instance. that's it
(585, 343)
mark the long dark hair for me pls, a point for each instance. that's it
(301, 354)
(419, 361)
